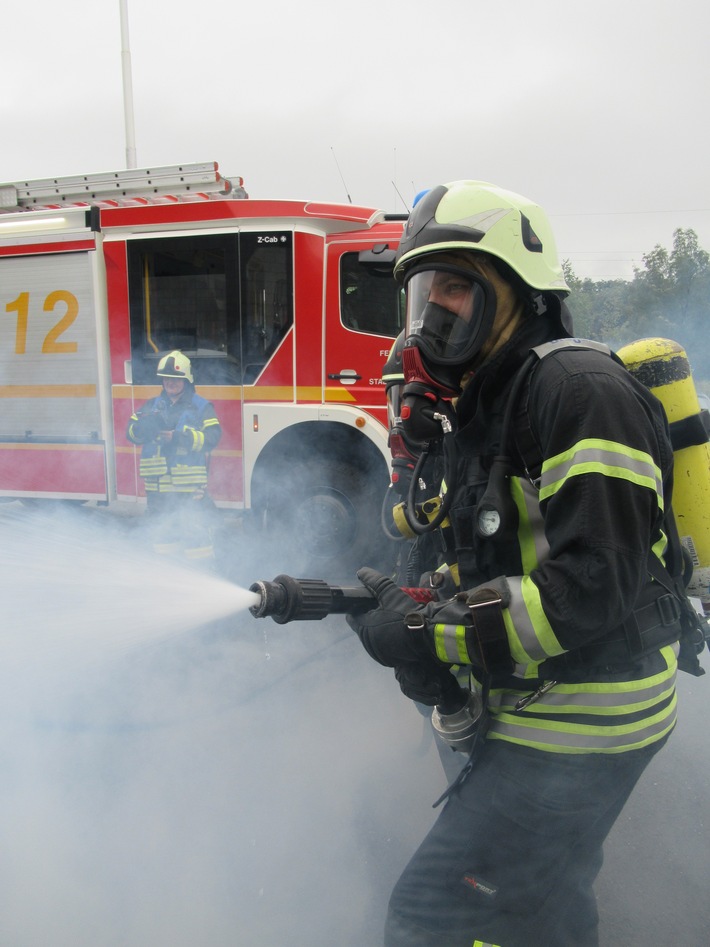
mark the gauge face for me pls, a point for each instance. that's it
(488, 522)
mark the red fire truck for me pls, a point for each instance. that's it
(287, 310)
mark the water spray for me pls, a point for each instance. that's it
(457, 716)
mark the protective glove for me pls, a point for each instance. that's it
(148, 426)
(426, 682)
(192, 439)
(469, 628)
(181, 440)
(441, 580)
(383, 631)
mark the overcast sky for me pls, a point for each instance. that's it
(597, 111)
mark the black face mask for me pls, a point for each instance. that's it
(450, 314)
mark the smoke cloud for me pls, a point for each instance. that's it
(174, 771)
(232, 782)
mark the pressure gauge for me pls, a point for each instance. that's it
(488, 521)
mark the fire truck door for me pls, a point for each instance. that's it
(53, 422)
(366, 300)
(226, 301)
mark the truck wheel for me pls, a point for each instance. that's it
(326, 515)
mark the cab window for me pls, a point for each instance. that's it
(225, 300)
(370, 299)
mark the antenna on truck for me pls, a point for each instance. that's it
(350, 200)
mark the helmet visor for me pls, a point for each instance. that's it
(450, 311)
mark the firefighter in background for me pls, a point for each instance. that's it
(176, 432)
(567, 635)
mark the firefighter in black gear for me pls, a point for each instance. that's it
(561, 478)
(177, 430)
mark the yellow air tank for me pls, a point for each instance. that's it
(662, 365)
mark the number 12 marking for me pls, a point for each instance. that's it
(51, 345)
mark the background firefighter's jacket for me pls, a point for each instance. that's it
(178, 465)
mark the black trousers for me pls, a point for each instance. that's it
(512, 858)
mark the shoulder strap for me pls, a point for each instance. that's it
(695, 631)
(525, 439)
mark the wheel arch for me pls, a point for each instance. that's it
(317, 488)
(310, 439)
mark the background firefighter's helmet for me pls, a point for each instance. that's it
(175, 365)
(475, 215)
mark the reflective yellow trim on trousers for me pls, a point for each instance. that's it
(483, 943)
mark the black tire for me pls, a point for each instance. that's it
(323, 521)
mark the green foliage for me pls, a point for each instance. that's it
(669, 296)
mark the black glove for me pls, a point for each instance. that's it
(182, 439)
(383, 631)
(425, 682)
(441, 581)
(148, 426)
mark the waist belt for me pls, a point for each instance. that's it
(647, 629)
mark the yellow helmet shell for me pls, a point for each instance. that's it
(481, 217)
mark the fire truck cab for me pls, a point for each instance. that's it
(287, 310)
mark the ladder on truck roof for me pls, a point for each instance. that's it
(173, 183)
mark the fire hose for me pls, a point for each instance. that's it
(455, 718)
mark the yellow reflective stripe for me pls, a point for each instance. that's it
(577, 738)
(185, 479)
(483, 943)
(152, 466)
(609, 458)
(607, 700)
(534, 547)
(210, 422)
(530, 634)
(450, 644)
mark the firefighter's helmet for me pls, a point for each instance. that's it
(475, 215)
(175, 365)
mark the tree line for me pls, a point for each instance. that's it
(669, 296)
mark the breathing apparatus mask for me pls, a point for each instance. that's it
(470, 251)
(449, 315)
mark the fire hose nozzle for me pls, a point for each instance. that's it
(287, 599)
